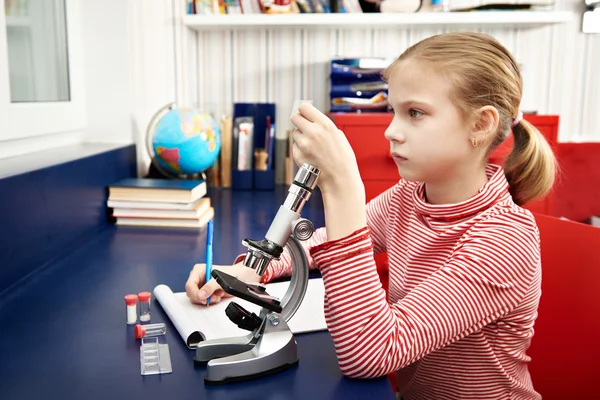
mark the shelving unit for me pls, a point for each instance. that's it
(379, 20)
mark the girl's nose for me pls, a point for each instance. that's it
(393, 133)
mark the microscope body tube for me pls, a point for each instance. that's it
(281, 228)
(298, 194)
(260, 254)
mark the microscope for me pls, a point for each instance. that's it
(270, 346)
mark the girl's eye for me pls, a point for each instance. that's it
(415, 113)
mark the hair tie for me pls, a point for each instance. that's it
(517, 119)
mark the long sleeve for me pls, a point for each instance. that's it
(377, 217)
(283, 266)
(486, 277)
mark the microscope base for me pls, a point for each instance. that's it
(275, 351)
(256, 375)
(210, 349)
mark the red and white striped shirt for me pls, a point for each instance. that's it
(463, 293)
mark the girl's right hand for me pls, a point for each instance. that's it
(198, 290)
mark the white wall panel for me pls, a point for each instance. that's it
(320, 45)
(152, 68)
(418, 34)
(570, 82)
(215, 71)
(535, 79)
(280, 65)
(285, 72)
(355, 42)
(390, 42)
(591, 99)
(106, 69)
(249, 66)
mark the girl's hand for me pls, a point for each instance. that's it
(198, 290)
(318, 142)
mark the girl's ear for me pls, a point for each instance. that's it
(485, 124)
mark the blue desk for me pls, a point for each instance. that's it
(63, 333)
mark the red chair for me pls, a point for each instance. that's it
(565, 351)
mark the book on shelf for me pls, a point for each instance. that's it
(232, 7)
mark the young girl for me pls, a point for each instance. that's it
(464, 257)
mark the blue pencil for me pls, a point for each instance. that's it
(271, 147)
(209, 255)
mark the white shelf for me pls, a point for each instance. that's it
(379, 20)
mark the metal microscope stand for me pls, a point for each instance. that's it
(271, 346)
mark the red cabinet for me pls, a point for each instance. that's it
(365, 132)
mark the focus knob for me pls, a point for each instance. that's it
(302, 229)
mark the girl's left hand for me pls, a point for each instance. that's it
(318, 142)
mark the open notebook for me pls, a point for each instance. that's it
(196, 323)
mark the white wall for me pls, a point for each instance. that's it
(139, 57)
(107, 61)
(152, 69)
(560, 67)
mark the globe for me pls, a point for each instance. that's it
(184, 141)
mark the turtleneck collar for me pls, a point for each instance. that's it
(495, 190)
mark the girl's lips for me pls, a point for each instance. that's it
(397, 157)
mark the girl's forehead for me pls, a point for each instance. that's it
(414, 78)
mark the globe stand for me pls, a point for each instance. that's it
(155, 171)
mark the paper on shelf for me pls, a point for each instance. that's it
(196, 322)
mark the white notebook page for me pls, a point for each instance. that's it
(212, 323)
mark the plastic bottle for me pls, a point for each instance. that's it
(131, 309)
(144, 306)
(142, 331)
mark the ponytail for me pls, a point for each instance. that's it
(530, 168)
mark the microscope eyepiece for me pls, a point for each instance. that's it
(306, 177)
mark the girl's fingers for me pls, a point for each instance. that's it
(312, 114)
(301, 123)
(299, 139)
(297, 154)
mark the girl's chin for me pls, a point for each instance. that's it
(408, 174)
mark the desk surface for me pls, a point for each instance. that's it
(63, 333)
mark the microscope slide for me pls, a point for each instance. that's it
(206, 323)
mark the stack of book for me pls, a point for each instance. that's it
(160, 203)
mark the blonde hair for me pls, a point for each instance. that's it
(484, 73)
